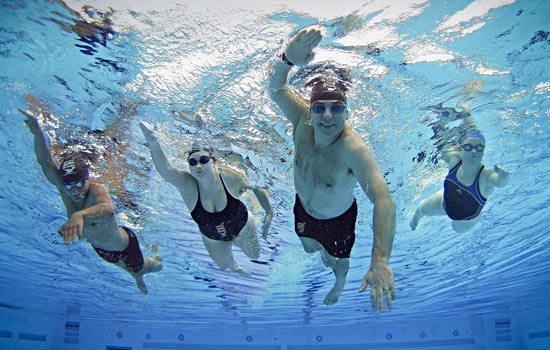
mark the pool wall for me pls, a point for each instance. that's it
(25, 330)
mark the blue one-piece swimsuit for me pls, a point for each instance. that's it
(462, 202)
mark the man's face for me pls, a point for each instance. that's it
(328, 117)
(76, 190)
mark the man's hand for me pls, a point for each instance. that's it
(72, 228)
(147, 129)
(31, 122)
(380, 278)
(300, 48)
(148, 132)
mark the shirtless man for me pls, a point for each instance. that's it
(467, 185)
(330, 159)
(91, 211)
(211, 194)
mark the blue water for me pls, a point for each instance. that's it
(198, 71)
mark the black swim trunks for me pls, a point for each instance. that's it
(131, 256)
(336, 235)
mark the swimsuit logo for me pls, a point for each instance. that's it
(221, 230)
(301, 227)
(459, 191)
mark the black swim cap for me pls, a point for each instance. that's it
(74, 169)
(195, 150)
(327, 92)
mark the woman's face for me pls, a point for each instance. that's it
(200, 164)
(472, 149)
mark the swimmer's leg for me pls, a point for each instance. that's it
(431, 206)
(310, 245)
(152, 264)
(140, 283)
(248, 240)
(222, 255)
(340, 266)
(464, 226)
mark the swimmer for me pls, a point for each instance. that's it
(211, 194)
(90, 210)
(330, 158)
(466, 187)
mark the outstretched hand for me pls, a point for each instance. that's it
(503, 176)
(300, 48)
(500, 170)
(72, 228)
(147, 130)
(380, 279)
(31, 121)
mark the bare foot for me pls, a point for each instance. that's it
(140, 284)
(340, 269)
(416, 218)
(236, 268)
(413, 223)
(152, 264)
(155, 247)
(333, 295)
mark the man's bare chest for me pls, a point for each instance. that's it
(321, 170)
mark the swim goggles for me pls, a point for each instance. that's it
(202, 160)
(69, 186)
(335, 107)
(467, 147)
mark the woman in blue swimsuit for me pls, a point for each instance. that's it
(466, 186)
(211, 194)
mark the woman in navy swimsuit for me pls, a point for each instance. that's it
(466, 186)
(211, 194)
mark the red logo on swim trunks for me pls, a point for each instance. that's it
(221, 230)
(301, 227)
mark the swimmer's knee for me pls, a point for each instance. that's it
(255, 254)
(420, 210)
(309, 249)
(252, 251)
(310, 245)
(462, 227)
(224, 263)
(250, 246)
(342, 264)
(337, 264)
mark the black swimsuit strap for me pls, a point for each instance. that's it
(228, 195)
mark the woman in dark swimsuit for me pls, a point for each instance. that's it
(466, 186)
(211, 195)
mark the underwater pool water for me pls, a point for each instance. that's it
(198, 72)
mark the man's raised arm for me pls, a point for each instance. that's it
(299, 51)
(42, 150)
